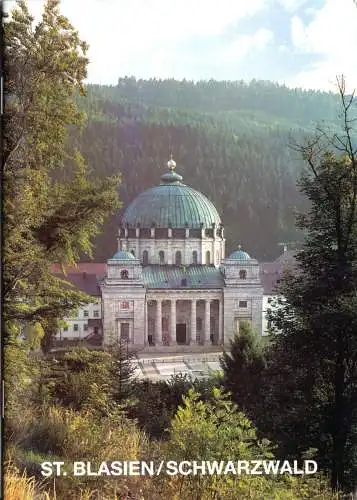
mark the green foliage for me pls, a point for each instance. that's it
(154, 404)
(217, 430)
(85, 379)
(312, 369)
(213, 429)
(57, 433)
(243, 367)
(81, 380)
(52, 208)
(122, 370)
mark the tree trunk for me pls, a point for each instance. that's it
(338, 430)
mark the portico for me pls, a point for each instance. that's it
(184, 319)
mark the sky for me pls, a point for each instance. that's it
(301, 43)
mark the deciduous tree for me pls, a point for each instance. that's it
(313, 365)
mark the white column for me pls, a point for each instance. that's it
(207, 327)
(220, 323)
(193, 333)
(146, 339)
(173, 323)
(158, 333)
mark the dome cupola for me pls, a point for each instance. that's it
(239, 255)
(123, 255)
(171, 204)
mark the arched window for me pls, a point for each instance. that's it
(242, 274)
(178, 258)
(194, 257)
(162, 257)
(145, 258)
(208, 258)
(124, 274)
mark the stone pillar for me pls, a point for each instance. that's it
(193, 333)
(173, 323)
(207, 326)
(146, 339)
(158, 333)
(220, 323)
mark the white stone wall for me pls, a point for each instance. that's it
(171, 245)
(253, 295)
(80, 318)
(115, 310)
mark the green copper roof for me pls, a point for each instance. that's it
(239, 255)
(121, 255)
(175, 277)
(172, 204)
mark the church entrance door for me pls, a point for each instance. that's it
(181, 333)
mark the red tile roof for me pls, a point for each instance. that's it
(84, 282)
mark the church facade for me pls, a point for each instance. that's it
(170, 283)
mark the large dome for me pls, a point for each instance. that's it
(171, 204)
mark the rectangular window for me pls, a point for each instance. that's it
(124, 331)
(65, 329)
(85, 327)
(85, 314)
(243, 303)
(199, 324)
(96, 314)
(75, 327)
(124, 305)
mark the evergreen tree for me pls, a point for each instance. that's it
(122, 370)
(312, 372)
(243, 368)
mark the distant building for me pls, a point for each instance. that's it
(87, 322)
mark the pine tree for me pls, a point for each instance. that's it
(122, 370)
(243, 368)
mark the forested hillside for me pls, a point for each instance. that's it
(231, 140)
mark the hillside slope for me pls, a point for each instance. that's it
(230, 140)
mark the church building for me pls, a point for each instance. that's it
(170, 284)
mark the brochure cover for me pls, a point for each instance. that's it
(179, 249)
